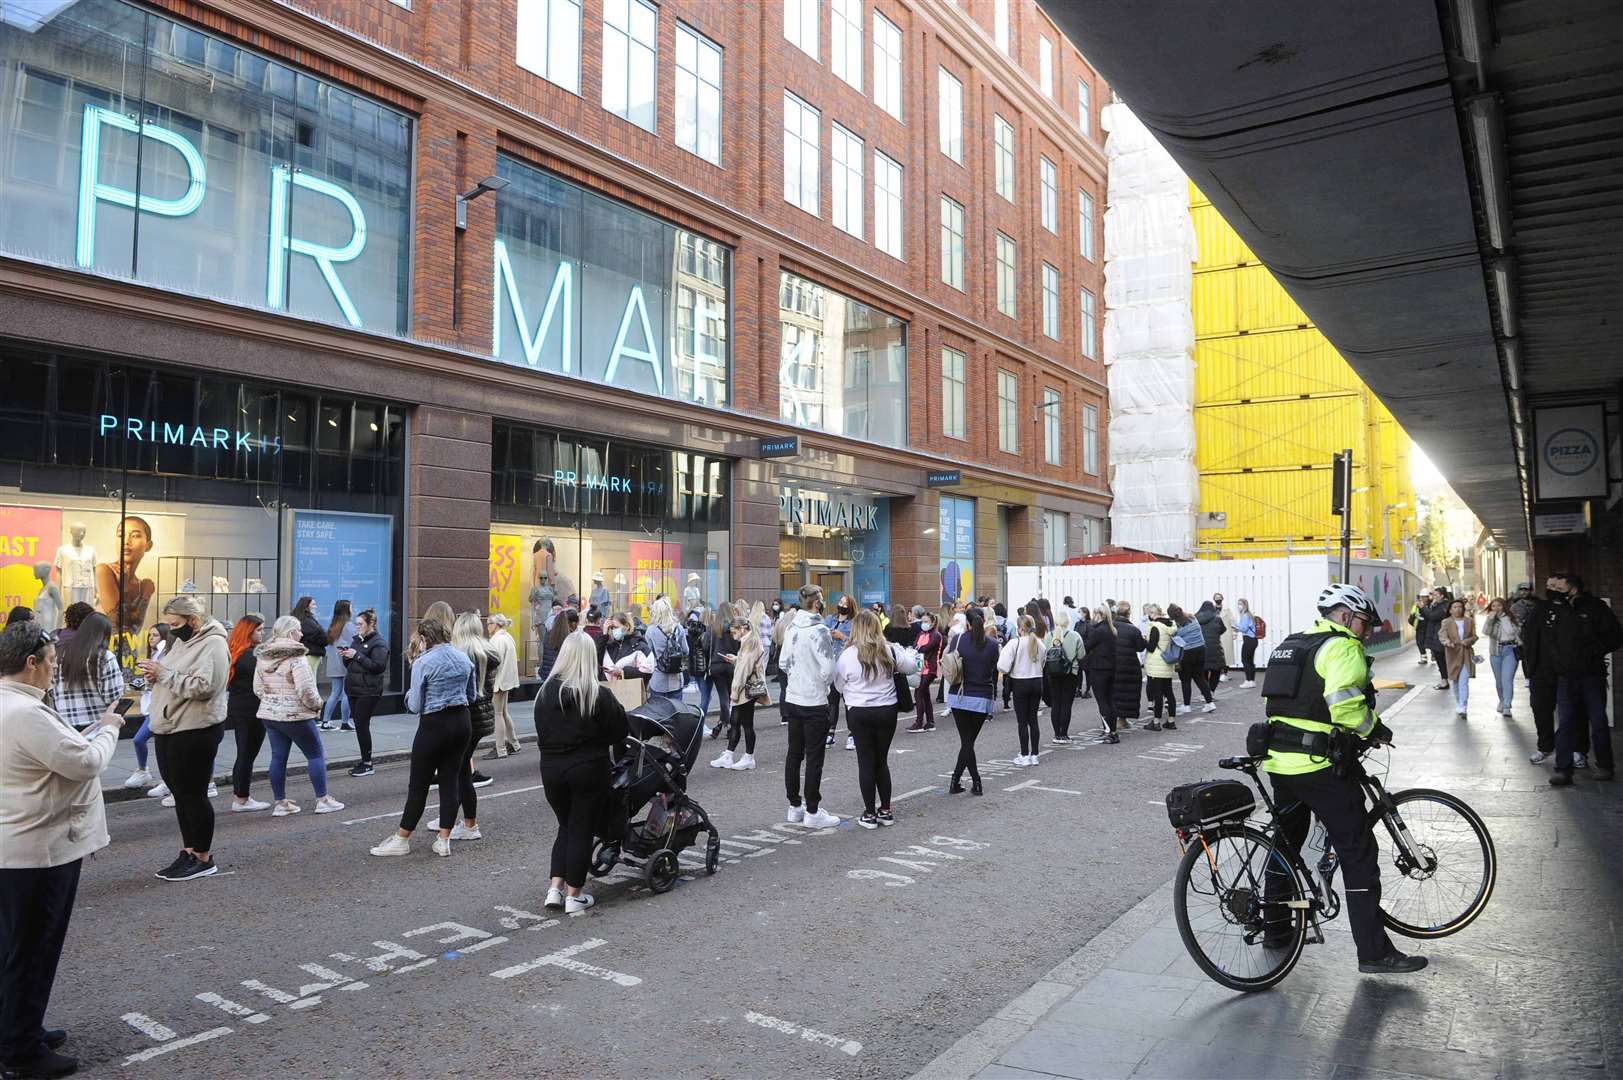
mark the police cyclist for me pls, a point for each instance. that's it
(1318, 691)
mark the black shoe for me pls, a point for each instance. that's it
(45, 1064)
(53, 1038)
(1112, 738)
(886, 818)
(481, 780)
(976, 789)
(1393, 963)
(955, 788)
(930, 726)
(193, 867)
(868, 821)
(715, 732)
(363, 769)
(180, 860)
(346, 726)
(1603, 774)
(1152, 726)
(1170, 725)
(1561, 779)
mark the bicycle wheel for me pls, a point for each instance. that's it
(1446, 884)
(1241, 908)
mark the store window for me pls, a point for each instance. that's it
(1093, 533)
(843, 365)
(256, 183)
(590, 287)
(124, 487)
(567, 509)
(956, 532)
(1056, 537)
(834, 538)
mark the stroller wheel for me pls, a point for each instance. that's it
(662, 871)
(712, 853)
(604, 859)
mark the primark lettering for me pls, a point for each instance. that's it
(801, 510)
(163, 433)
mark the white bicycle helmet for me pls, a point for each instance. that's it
(1348, 596)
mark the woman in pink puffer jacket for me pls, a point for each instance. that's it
(289, 704)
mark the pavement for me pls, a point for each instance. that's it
(1533, 988)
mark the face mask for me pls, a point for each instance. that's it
(926, 625)
(183, 632)
(617, 634)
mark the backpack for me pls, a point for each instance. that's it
(1056, 664)
(670, 660)
(1261, 627)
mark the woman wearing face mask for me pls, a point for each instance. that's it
(366, 663)
(621, 649)
(929, 642)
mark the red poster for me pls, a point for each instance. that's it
(653, 570)
(29, 535)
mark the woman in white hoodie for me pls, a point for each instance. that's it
(1021, 662)
(288, 705)
(865, 676)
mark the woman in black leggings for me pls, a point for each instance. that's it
(974, 696)
(367, 663)
(748, 669)
(442, 688)
(1021, 662)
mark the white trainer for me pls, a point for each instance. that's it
(139, 778)
(723, 761)
(555, 899)
(249, 806)
(460, 831)
(575, 905)
(214, 792)
(286, 808)
(1538, 757)
(442, 845)
(1580, 761)
(850, 742)
(328, 805)
(1248, 684)
(1210, 706)
(822, 819)
(394, 845)
(159, 791)
(795, 815)
(168, 800)
(744, 763)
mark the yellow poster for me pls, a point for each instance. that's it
(507, 582)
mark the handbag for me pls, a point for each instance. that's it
(755, 690)
(952, 669)
(904, 693)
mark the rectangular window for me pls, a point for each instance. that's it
(1000, 24)
(1085, 224)
(630, 60)
(698, 94)
(1090, 439)
(1093, 534)
(1049, 177)
(887, 65)
(1006, 279)
(1056, 537)
(952, 243)
(953, 364)
(1090, 322)
(847, 180)
(845, 40)
(1084, 107)
(800, 163)
(1003, 157)
(1045, 66)
(548, 33)
(842, 365)
(1051, 426)
(1008, 412)
(887, 205)
(951, 115)
(1050, 302)
(800, 19)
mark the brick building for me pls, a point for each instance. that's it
(752, 294)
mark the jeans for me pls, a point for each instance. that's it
(1028, 695)
(741, 721)
(283, 735)
(250, 732)
(576, 787)
(436, 755)
(969, 728)
(1504, 676)
(361, 710)
(1462, 688)
(808, 728)
(872, 729)
(670, 695)
(1580, 701)
(186, 763)
(1061, 696)
(1248, 658)
(35, 905)
(142, 737)
(337, 701)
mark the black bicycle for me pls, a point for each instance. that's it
(1247, 905)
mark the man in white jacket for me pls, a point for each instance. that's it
(808, 660)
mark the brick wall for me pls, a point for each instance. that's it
(449, 511)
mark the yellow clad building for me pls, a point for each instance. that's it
(1274, 402)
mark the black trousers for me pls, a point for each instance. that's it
(834, 702)
(186, 763)
(1339, 803)
(250, 733)
(576, 786)
(1103, 684)
(1028, 696)
(360, 713)
(436, 754)
(469, 796)
(1542, 699)
(741, 721)
(1161, 690)
(1192, 667)
(808, 728)
(1061, 696)
(1214, 679)
(1248, 658)
(35, 905)
(969, 728)
(1441, 660)
(872, 729)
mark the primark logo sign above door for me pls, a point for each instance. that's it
(832, 511)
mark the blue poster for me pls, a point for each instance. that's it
(342, 556)
(870, 559)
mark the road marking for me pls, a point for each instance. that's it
(514, 917)
(380, 963)
(787, 1027)
(1032, 785)
(149, 1027)
(563, 958)
(482, 939)
(177, 1044)
(1230, 723)
(1403, 702)
(232, 1008)
(910, 794)
(436, 806)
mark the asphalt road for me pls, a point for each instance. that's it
(845, 952)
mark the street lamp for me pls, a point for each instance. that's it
(489, 183)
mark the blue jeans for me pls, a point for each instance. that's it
(140, 741)
(1581, 699)
(673, 695)
(705, 688)
(282, 735)
(1462, 688)
(1504, 676)
(337, 701)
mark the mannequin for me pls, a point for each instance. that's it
(692, 597)
(75, 566)
(599, 597)
(48, 604)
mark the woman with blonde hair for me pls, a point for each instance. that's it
(1099, 664)
(439, 611)
(288, 706)
(669, 645)
(468, 634)
(1021, 662)
(504, 655)
(748, 685)
(576, 727)
(865, 676)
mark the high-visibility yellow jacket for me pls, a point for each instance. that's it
(1339, 678)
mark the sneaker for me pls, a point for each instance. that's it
(930, 726)
(850, 742)
(1538, 757)
(724, 761)
(795, 815)
(286, 808)
(1393, 963)
(1059, 740)
(139, 778)
(868, 821)
(363, 769)
(193, 867)
(327, 725)
(394, 845)
(1210, 706)
(180, 860)
(481, 780)
(1561, 779)
(1170, 725)
(783, 723)
(1248, 684)
(944, 713)
(328, 805)
(1422, 661)
(829, 740)
(821, 819)
(885, 818)
(249, 806)
(442, 845)
(159, 791)
(1153, 725)
(555, 900)
(45, 1065)
(913, 730)
(575, 905)
(1112, 738)
(1459, 714)
(1580, 761)
(213, 792)
(743, 764)
(346, 726)
(459, 831)
(168, 800)
(1224, 677)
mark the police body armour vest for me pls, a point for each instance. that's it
(1293, 687)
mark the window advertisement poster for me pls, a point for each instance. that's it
(870, 558)
(29, 538)
(654, 571)
(956, 530)
(340, 556)
(508, 586)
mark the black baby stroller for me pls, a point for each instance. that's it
(666, 737)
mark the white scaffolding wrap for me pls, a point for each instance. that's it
(1149, 342)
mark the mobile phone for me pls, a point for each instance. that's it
(123, 706)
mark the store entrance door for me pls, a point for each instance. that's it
(834, 583)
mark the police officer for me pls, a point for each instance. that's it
(1318, 684)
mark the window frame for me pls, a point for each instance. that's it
(1048, 185)
(1053, 426)
(626, 44)
(841, 54)
(1090, 439)
(1001, 34)
(887, 66)
(954, 393)
(952, 243)
(1045, 66)
(1084, 106)
(846, 178)
(808, 12)
(1086, 228)
(888, 213)
(700, 83)
(545, 12)
(950, 121)
(1003, 158)
(1051, 312)
(790, 98)
(1088, 319)
(1008, 411)
(1007, 291)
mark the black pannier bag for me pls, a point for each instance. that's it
(1208, 802)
